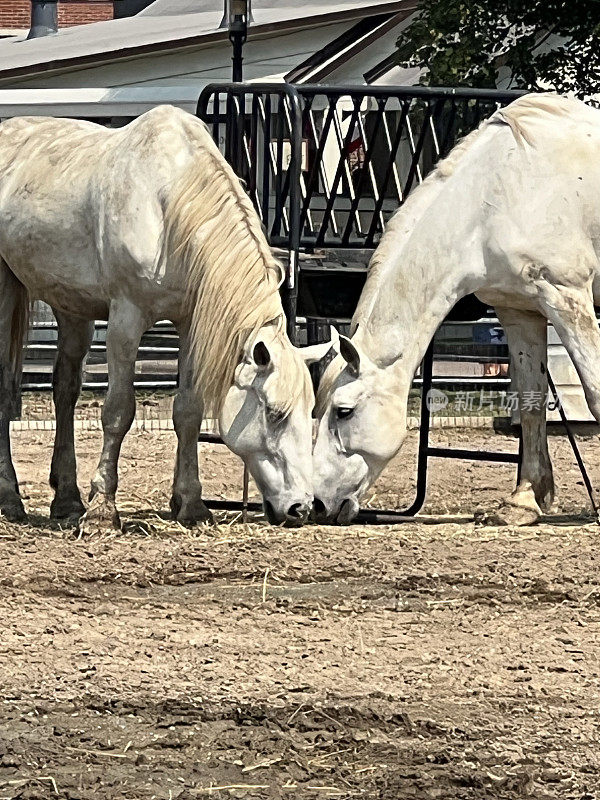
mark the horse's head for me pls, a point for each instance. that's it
(362, 425)
(266, 420)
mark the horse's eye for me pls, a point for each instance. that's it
(274, 415)
(343, 412)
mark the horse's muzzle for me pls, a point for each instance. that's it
(343, 516)
(294, 517)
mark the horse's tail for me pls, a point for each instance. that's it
(18, 327)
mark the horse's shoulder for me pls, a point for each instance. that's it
(163, 133)
(170, 119)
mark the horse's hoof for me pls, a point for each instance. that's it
(520, 509)
(508, 515)
(12, 509)
(101, 516)
(546, 500)
(67, 508)
(191, 513)
(198, 515)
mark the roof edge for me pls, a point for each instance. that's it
(208, 38)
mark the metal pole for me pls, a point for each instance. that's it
(290, 288)
(237, 15)
(425, 423)
(238, 59)
(573, 442)
(245, 491)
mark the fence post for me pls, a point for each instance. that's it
(289, 293)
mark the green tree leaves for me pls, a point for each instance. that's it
(535, 43)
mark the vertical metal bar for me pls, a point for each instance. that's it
(290, 298)
(245, 493)
(571, 436)
(438, 108)
(365, 167)
(376, 220)
(318, 169)
(312, 331)
(253, 153)
(290, 125)
(266, 167)
(414, 167)
(241, 140)
(346, 172)
(276, 229)
(423, 457)
(393, 166)
(285, 192)
(357, 102)
(217, 119)
(449, 135)
(229, 128)
(216, 122)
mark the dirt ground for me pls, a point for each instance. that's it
(422, 661)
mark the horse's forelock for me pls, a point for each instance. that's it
(290, 385)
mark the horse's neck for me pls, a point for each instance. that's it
(426, 262)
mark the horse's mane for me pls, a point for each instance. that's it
(519, 116)
(402, 218)
(232, 278)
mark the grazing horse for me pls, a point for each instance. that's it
(512, 215)
(134, 225)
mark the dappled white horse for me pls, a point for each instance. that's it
(513, 215)
(135, 225)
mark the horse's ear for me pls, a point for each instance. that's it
(317, 352)
(350, 355)
(261, 355)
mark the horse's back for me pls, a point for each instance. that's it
(52, 148)
(80, 204)
(542, 178)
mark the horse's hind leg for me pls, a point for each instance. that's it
(74, 339)
(572, 313)
(13, 305)
(126, 324)
(527, 340)
(186, 503)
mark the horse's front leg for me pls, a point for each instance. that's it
(126, 324)
(187, 505)
(74, 339)
(12, 303)
(528, 343)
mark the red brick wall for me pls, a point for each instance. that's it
(17, 13)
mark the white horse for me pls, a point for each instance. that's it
(513, 215)
(135, 225)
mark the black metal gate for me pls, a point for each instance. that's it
(326, 167)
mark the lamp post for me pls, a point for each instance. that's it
(238, 14)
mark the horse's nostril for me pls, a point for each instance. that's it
(297, 515)
(319, 507)
(296, 511)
